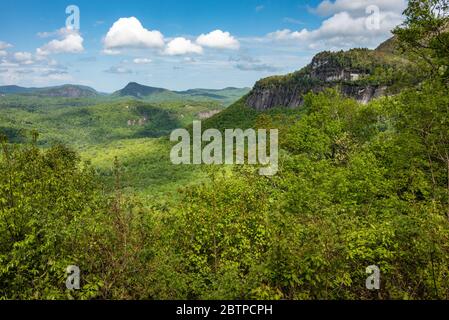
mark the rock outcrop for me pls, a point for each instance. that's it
(263, 98)
(355, 73)
(207, 114)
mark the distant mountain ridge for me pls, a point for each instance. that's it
(67, 91)
(13, 89)
(132, 90)
(155, 94)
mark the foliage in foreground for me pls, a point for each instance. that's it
(357, 186)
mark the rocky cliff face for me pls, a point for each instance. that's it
(364, 93)
(263, 98)
(352, 72)
(266, 98)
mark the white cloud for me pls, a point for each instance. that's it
(218, 39)
(62, 32)
(23, 57)
(8, 64)
(348, 28)
(181, 46)
(142, 61)
(24, 67)
(70, 42)
(260, 8)
(39, 72)
(129, 33)
(4, 45)
(52, 62)
(358, 7)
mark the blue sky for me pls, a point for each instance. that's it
(180, 44)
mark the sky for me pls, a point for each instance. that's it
(179, 44)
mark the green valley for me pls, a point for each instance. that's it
(105, 127)
(363, 182)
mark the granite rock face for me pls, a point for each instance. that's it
(364, 94)
(349, 72)
(262, 99)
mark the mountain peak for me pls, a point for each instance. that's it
(133, 84)
(138, 90)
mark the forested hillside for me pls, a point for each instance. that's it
(359, 184)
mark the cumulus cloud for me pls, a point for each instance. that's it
(181, 46)
(142, 60)
(8, 64)
(348, 26)
(358, 7)
(219, 40)
(23, 67)
(23, 57)
(4, 45)
(70, 42)
(129, 33)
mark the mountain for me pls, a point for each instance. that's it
(137, 90)
(362, 74)
(389, 46)
(149, 94)
(214, 93)
(66, 91)
(225, 96)
(15, 90)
